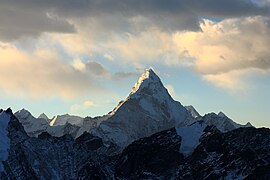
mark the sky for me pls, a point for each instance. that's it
(83, 56)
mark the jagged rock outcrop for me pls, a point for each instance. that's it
(48, 157)
(222, 122)
(239, 154)
(242, 153)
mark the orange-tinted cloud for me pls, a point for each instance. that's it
(226, 50)
(41, 74)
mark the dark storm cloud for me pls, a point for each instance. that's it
(18, 21)
(31, 17)
(227, 8)
(143, 7)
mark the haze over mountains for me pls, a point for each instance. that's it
(148, 135)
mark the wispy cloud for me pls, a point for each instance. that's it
(128, 34)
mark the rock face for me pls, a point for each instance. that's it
(242, 153)
(154, 157)
(239, 154)
(47, 157)
(33, 126)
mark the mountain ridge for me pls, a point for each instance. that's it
(148, 135)
(147, 109)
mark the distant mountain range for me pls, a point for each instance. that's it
(148, 135)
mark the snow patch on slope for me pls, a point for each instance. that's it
(66, 118)
(4, 139)
(53, 121)
(190, 137)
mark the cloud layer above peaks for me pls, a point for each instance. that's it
(66, 47)
(20, 18)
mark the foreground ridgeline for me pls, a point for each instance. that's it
(146, 136)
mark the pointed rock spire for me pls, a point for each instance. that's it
(221, 114)
(23, 113)
(43, 116)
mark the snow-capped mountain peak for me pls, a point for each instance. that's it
(149, 76)
(148, 109)
(148, 85)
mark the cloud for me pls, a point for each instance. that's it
(20, 18)
(220, 52)
(109, 57)
(42, 74)
(89, 104)
(229, 45)
(96, 69)
(220, 48)
(18, 21)
(83, 108)
(145, 47)
(123, 75)
(231, 81)
(223, 50)
(78, 64)
(132, 33)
